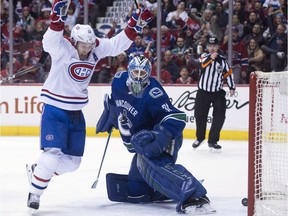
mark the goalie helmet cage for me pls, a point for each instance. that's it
(268, 144)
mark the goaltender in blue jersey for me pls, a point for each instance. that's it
(151, 128)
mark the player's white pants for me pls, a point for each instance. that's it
(52, 162)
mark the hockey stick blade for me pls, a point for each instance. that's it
(97, 179)
(95, 183)
(39, 64)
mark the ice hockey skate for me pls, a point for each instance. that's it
(198, 206)
(215, 147)
(197, 143)
(33, 199)
(33, 203)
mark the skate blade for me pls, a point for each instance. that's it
(31, 211)
(212, 150)
(203, 210)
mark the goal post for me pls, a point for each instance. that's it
(268, 144)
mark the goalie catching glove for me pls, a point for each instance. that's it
(152, 143)
(139, 19)
(108, 119)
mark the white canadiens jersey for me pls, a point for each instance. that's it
(69, 77)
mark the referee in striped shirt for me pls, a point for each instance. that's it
(215, 71)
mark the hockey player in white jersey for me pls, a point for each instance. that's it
(64, 93)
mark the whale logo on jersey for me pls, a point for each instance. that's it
(80, 72)
(124, 123)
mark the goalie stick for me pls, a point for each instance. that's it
(97, 179)
(39, 64)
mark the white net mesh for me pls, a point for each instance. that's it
(271, 145)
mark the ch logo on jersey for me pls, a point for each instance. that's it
(124, 124)
(80, 72)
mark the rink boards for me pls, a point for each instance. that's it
(21, 111)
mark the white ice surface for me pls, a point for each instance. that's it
(70, 194)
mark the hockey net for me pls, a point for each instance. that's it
(268, 144)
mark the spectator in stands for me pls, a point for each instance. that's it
(252, 20)
(165, 76)
(38, 32)
(167, 39)
(120, 62)
(256, 34)
(31, 58)
(239, 10)
(193, 24)
(151, 4)
(34, 9)
(196, 4)
(17, 40)
(236, 23)
(32, 55)
(4, 6)
(221, 16)
(255, 57)
(72, 15)
(149, 52)
(179, 51)
(205, 30)
(173, 16)
(170, 65)
(184, 76)
(44, 16)
(137, 48)
(167, 7)
(276, 47)
(28, 23)
(209, 23)
(259, 10)
(273, 20)
(239, 57)
(200, 43)
(189, 38)
(146, 35)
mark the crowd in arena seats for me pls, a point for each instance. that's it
(259, 36)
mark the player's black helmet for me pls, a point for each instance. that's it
(139, 71)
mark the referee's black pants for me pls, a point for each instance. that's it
(203, 102)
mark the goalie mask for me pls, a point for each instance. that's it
(139, 71)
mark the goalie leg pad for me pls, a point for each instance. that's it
(117, 190)
(117, 187)
(172, 180)
(138, 190)
(131, 188)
